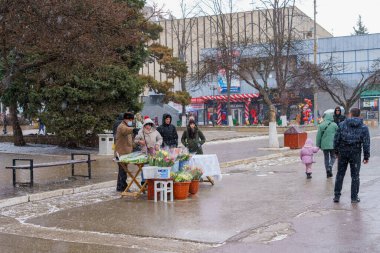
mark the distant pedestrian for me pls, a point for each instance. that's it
(41, 127)
(338, 116)
(352, 136)
(325, 141)
(193, 138)
(307, 156)
(139, 121)
(168, 132)
(123, 146)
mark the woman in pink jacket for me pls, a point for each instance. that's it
(306, 155)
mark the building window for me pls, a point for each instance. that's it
(349, 67)
(362, 55)
(362, 66)
(337, 57)
(325, 57)
(374, 54)
(349, 56)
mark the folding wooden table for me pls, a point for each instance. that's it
(142, 188)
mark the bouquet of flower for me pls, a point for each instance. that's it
(181, 176)
(195, 172)
(183, 157)
(162, 159)
(135, 157)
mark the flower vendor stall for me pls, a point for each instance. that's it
(174, 168)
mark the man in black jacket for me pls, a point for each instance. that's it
(351, 137)
(168, 132)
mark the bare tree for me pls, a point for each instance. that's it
(269, 65)
(225, 55)
(182, 32)
(340, 91)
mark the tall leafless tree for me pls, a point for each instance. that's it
(343, 93)
(225, 55)
(183, 29)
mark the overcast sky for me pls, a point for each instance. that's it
(336, 16)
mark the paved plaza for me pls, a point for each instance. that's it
(261, 206)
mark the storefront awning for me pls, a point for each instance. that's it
(370, 93)
(224, 98)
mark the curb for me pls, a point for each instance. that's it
(56, 193)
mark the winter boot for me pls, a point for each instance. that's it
(329, 173)
(336, 199)
(355, 200)
(308, 175)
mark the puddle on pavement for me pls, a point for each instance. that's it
(268, 234)
(237, 171)
(318, 213)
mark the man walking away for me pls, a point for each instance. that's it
(351, 136)
(338, 117)
(325, 141)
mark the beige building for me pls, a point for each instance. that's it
(187, 37)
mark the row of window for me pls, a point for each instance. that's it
(348, 56)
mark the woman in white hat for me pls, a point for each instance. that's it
(148, 137)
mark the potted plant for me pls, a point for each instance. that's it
(196, 173)
(181, 185)
(183, 159)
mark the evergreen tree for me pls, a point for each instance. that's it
(360, 28)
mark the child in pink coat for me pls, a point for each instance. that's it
(306, 155)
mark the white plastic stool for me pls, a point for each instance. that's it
(164, 187)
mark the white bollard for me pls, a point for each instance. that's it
(273, 139)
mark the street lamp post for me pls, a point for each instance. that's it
(315, 88)
(213, 88)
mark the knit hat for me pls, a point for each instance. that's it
(148, 121)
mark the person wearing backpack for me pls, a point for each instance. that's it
(325, 141)
(351, 137)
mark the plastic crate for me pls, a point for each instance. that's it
(149, 172)
(162, 173)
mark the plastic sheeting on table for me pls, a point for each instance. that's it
(209, 164)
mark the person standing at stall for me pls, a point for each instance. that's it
(168, 132)
(193, 138)
(149, 139)
(123, 146)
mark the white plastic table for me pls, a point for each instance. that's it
(210, 166)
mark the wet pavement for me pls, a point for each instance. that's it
(266, 206)
(228, 145)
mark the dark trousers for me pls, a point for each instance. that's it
(329, 155)
(121, 179)
(354, 159)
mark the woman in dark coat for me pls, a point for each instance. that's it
(338, 117)
(193, 138)
(168, 132)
